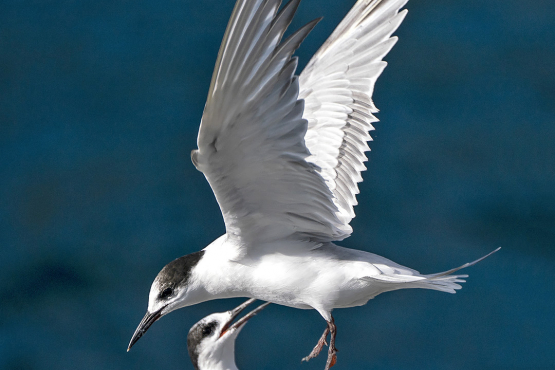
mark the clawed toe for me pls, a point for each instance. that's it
(332, 358)
(318, 347)
(332, 351)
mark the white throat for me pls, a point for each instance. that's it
(217, 275)
(219, 357)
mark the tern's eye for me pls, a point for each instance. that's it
(208, 329)
(166, 293)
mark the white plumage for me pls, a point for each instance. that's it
(283, 155)
(337, 87)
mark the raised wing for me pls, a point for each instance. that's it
(337, 87)
(251, 138)
(280, 168)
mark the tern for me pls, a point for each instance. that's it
(211, 341)
(283, 155)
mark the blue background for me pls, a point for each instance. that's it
(100, 103)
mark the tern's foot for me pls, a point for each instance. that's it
(318, 348)
(332, 358)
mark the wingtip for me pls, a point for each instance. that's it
(313, 23)
(310, 25)
(291, 3)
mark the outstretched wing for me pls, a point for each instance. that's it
(251, 138)
(337, 87)
(280, 169)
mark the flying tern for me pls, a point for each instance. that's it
(211, 341)
(283, 155)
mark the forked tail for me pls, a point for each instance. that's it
(446, 282)
(395, 277)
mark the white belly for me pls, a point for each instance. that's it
(326, 278)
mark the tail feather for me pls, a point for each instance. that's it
(446, 284)
(449, 272)
(442, 281)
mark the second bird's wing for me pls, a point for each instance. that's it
(337, 87)
(251, 139)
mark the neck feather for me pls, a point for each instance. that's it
(211, 277)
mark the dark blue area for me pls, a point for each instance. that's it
(100, 103)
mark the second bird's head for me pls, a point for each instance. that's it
(211, 341)
(173, 288)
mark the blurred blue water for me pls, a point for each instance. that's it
(100, 103)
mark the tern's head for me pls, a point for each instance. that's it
(211, 341)
(172, 289)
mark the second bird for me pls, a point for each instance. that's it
(211, 341)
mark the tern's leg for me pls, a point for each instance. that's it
(332, 357)
(318, 348)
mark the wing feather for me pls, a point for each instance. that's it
(337, 86)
